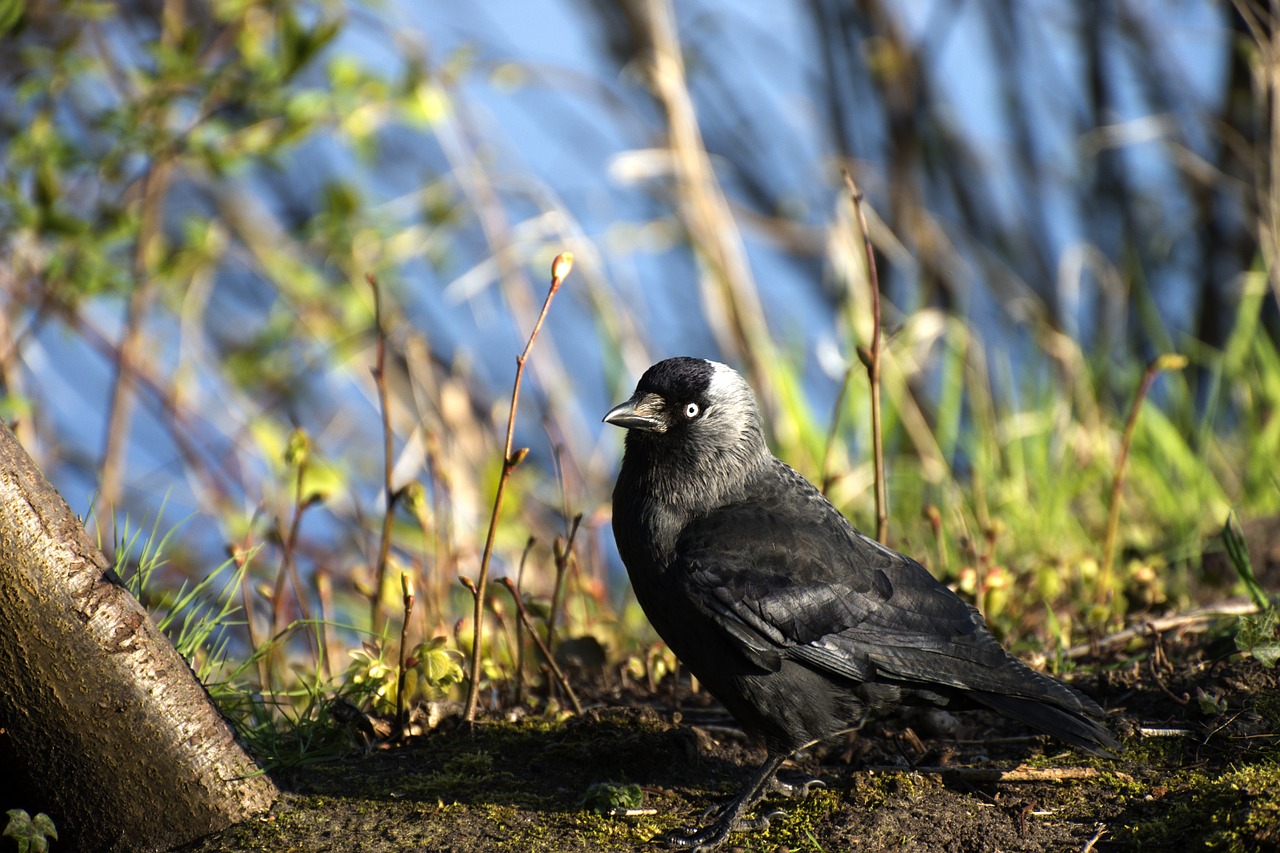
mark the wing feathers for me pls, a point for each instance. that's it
(788, 577)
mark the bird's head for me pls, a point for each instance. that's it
(695, 416)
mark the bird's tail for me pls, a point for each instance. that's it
(1076, 727)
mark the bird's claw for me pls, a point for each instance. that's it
(798, 791)
(697, 838)
(788, 790)
(758, 824)
(714, 833)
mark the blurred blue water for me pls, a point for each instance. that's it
(556, 122)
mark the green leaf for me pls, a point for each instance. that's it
(1233, 539)
(609, 797)
(19, 823)
(30, 833)
(10, 14)
(44, 824)
(1259, 636)
(437, 666)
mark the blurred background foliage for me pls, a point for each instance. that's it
(192, 192)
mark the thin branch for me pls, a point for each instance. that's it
(406, 593)
(180, 420)
(324, 593)
(562, 551)
(155, 186)
(298, 456)
(737, 318)
(1089, 845)
(1194, 619)
(871, 359)
(1164, 362)
(524, 557)
(240, 555)
(542, 647)
(11, 374)
(559, 269)
(987, 775)
(388, 459)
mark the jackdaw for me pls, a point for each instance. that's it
(799, 624)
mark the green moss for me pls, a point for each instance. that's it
(1267, 704)
(875, 787)
(521, 787)
(1236, 811)
(1155, 752)
(462, 776)
(801, 820)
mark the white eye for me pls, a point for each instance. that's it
(691, 410)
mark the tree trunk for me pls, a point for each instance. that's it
(102, 724)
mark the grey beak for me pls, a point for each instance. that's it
(642, 413)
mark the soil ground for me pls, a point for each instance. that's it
(1201, 770)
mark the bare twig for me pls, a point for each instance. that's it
(827, 477)
(324, 593)
(240, 555)
(11, 373)
(528, 546)
(1020, 774)
(738, 320)
(559, 269)
(388, 460)
(297, 455)
(871, 359)
(1164, 731)
(179, 419)
(442, 531)
(413, 497)
(1164, 362)
(1190, 619)
(562, 551)
(939, 538)
(1102, 830)
(1157, 661)
(155, 187)
(406, 593)
(542, 647)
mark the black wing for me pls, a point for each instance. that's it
(788, 577)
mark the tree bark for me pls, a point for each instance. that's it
(103, 726)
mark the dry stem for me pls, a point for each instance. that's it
(1163, 362)
(524, 557)
(542, 647)
(562, 551)
(406, 592)
(559, 269)
(380, 381)
(288, 548)
(871, 358)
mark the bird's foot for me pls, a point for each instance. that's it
(711, 835)
(796, 791)
(697, 838)
(731, 817)
(724, 813)
(757, 824)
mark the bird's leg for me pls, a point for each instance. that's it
(729, 818)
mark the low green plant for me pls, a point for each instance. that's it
(31, 833)
(1257, 634)
(611, 798)
(372, 680)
